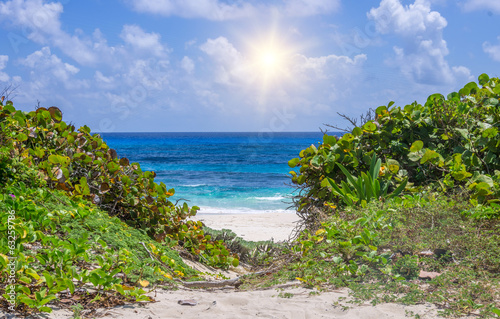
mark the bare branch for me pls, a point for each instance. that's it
(8, 91)
(363, 118)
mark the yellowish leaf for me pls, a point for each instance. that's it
(320, 231)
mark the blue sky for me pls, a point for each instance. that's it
(222, 65)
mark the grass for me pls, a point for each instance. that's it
(376, 251)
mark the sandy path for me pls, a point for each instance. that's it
(234, 304)
(257, 304)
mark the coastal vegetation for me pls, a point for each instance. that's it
(74, 214)
(404, 208)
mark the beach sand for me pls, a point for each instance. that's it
(290, 303)
(230, 304)
(253, 226)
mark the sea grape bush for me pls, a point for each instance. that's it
(84, 166)
(46, 264)
(447, 143)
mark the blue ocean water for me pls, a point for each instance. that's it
(219, 172)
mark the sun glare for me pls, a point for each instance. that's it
(270, 62)
(268, 59)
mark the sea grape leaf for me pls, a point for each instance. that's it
(370, 127)
(416, 146)
(463, 132)
(490, 132)
(428, 155)
(357, 131)
(483, 79)
(329, 139)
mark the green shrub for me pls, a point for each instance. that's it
(84, 166)
(447, 143)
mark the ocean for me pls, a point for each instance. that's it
(219, 172)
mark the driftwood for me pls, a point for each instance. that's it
(235, 282)
(212, 284)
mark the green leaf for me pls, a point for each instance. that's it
(461, 175)
(490, 132)
(45, 309)
(348, 137)
(316, 161)
(357, 131)
(370, 127)
(399, 189)
(32, 273)
(329, 139)
(483, 79)
(21, 137)
(415, 157)
(375, 167)
(113, 167)
(429, 155)
(496, 311)
(60, 160)
(484, 179)
(25, 279)
(235, 262)
(381, 110)
(393, 166)
(352, 180)
(416, 146)
(370, 190)
(463, 132)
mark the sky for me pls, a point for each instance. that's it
(239, 65)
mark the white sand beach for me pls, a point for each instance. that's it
(253, 226)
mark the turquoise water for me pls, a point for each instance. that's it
(219, 172)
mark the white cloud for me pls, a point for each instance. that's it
(41, 22)
(47, 69)
(208, 9)
(230, 63)
(473, 5)
(417, 18)
(187, 64)
(4, 77)
(423, 56)
(220, 10)
(492, 50)
(141, 40)
(39, 18)
(304, 84)
(310, 7)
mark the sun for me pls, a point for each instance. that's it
(270, 61)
